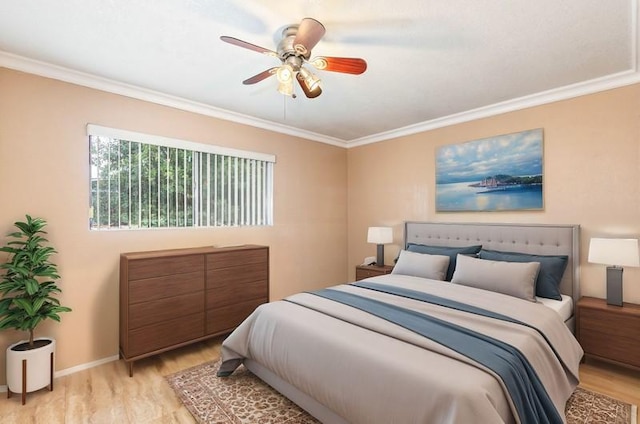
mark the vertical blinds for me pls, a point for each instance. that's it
(142, 181)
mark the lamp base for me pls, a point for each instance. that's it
(380, 256)
(614, 286)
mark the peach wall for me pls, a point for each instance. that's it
(44, 171)
(325, 197)
(591, 177)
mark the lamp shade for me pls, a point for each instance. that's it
(614, 251)
(380, 235)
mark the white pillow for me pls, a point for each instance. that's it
(421, 265)
(513, 278)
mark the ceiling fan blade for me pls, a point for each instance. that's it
(312, 94)
(346, 65)
(261, 76)
(309, 33)
(246, 45)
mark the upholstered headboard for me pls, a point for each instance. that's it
(525, 238)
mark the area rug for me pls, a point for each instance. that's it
(245, 399)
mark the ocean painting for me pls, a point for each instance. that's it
(501, 173)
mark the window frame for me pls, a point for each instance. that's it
(260, 196)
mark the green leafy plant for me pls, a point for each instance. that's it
(28, 285)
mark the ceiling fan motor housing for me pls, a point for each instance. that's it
(286, 48)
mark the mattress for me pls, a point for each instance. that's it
(563, 307)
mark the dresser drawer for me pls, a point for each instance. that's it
(230, 294)
(156, 311)
(237, 258)
(160, 335)
(610, 346)
(225, 319)
(605, 322)
(363, 272)
(237, 275)
(157, 267)
(166, 286)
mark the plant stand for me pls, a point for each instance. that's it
(30, 370)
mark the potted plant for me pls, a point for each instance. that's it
(28, 286)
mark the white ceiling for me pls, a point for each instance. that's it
(430, 62)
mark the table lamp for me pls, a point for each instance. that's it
(616, 253)
(380, 236)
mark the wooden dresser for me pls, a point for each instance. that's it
(170, 298)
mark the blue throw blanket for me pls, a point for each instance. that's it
(529, 396)
(448, 303)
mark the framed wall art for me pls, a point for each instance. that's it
(500, 173)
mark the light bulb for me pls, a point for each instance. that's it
(285, 74)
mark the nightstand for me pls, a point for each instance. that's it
(609, 333)
(366, 271)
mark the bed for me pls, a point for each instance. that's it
(356, 353)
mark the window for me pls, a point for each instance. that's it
(145, 181)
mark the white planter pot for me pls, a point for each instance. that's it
(39, 366)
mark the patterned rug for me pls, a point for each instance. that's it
(245, 399)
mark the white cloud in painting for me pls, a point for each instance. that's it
(511, 154)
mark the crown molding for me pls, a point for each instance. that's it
(621, 79)
(575, 90)
(608, 82)
(24, 64)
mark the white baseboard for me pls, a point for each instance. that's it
(77, 368)
(86, 366)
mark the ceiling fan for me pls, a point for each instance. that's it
(294, 50)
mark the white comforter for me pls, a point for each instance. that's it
(386, 374)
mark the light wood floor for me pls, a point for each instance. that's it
(106, 394)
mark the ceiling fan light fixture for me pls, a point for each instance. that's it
(285, 74)
(286, 88)
(310, 80)
(313, 93)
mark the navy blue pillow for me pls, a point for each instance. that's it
(452, 252)
(551, 269)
